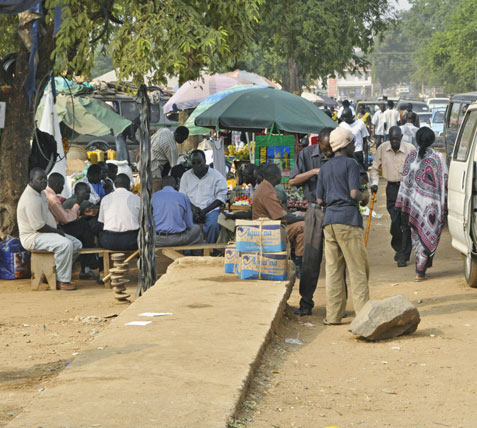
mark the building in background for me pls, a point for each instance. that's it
(352, 86)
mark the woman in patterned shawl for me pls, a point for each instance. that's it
(422, 199)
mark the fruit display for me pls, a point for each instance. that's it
(242, 200)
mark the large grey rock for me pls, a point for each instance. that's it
(383, 319)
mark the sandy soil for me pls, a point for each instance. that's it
(41, 331)
(424, 380)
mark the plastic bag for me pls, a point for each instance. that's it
(14, 259)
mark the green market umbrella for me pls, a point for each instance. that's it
(86, 116)
(257, 109)
(209, 102)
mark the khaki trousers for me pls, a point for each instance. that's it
(295, 233)
(344, 247)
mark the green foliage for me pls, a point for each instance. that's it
(451, 54)
(103, 62)
(167, 37)
(9, 34)
(316, 38)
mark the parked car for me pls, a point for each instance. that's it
(437, 103)
(126, 106)
(417, 106)
(437, 125)
(462, 194)
(371, 106)
(454, 114)
(425, 118)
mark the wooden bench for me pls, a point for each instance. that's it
(43, 262)
(174, 254)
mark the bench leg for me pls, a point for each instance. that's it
(43, 264)
(107, 283)
(206, 252)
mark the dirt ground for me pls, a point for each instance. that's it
(331, 380)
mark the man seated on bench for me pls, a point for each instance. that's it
(173, 217)
(39, 232)
(267, 204)
(70, 220)
(119, 212)
(207, 190)
(94, 180)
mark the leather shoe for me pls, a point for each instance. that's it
(303, 311)
(65, 286)
(402, 263)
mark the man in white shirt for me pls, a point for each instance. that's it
(345, 104)
(360, 132)
(409, 130)
(391, 118)
(378, 123)
(39, 232)
(119, 212)
(207, 191)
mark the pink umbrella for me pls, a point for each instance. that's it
(192, 92)
(253, 78)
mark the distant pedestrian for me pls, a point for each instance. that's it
(422, 198)
(345, 104)
(339, 189)
(391, 118)
(379, 125)
(408, 129)
(360, 133)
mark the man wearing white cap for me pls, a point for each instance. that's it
(339, 189)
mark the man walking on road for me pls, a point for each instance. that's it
(378, 123)
(339, 188)
(391, 118)
(360, 132)
(305, 173)
(391, 156)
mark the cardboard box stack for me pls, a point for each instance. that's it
(260, 251)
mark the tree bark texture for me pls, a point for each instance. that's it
(294, 81)
(16, 136)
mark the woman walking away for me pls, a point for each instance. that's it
(422, 199)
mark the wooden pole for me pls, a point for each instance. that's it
(371, 206)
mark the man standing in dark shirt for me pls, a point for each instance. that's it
(305, 173)
(338, 187)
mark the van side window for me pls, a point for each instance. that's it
(129, 110)
(466, 136)
(454, 117)
(155, 113)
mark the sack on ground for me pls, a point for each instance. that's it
(14, 259)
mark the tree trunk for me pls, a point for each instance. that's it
(294, 81)
(15, 140)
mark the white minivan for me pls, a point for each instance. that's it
(462, 194)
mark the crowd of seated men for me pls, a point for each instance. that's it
(103, 212)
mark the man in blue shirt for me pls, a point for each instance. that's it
(339, 188)
(173, 217)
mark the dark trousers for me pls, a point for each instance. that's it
(400, 230)
(81, 230)
(119, 241)
(360, 158)
(311, 261)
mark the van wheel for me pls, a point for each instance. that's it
(470, 271)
